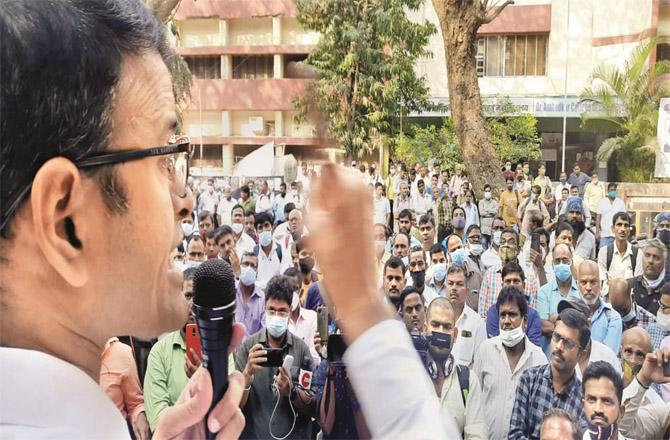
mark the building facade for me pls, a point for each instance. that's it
(538, 54)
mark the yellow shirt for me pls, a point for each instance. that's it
(509, 203)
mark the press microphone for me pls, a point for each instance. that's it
(214, 297)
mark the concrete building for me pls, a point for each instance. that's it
(243, 54)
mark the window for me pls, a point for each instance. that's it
(253, 67)
(663, 52)
(204, 67)
(511, 55)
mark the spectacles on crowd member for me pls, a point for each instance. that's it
(178, 151)
(567, 343)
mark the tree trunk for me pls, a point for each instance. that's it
(459, 23)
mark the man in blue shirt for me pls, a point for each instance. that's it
(561, 286)
(606, 324)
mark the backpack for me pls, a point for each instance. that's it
(257, 250)
(610, 255)
(464, 381)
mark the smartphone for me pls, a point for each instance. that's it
(322, 322)
(336, 349)
(193, 342)
(535, 241)
(274, 357)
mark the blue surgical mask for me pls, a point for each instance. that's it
(440, 272)
(265, 238)
(562, 272)
(276, 325)
(247, 276)
(458, 257)
(629, 316)
(612, 194)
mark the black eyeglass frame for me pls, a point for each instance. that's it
(106, 158)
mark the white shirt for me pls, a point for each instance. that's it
(421, 204)
(471, 215)
(207, 201)
(499, 382)
(621, 266)
(264, 203)
(642, 421)
(601, 352)
(225, 208)
(244, 244)
(268, 266)
(305, 328)
(471, 334)
(396, 395)
(607, 208)
(490, 258)
(44, 397)
(469, 418)
(380, 209)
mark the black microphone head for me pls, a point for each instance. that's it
(213, 284)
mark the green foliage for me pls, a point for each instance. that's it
(514, 138)
(364, 64)
(629, 98)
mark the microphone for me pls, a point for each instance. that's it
(214, 298)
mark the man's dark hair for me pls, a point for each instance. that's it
(536, 188)
(188, 274)
(238, 206)
(61, 64)
(509, 230)
(513, 295)
(457, 208)
(487, 186)
(598, 369)
(405, 213)
(427, 218)
(611, 186)
(509, 179)
(245, 190)
(407, 291)
(456, 269)
(279, 288)
(222, 232)
(574, 186)
(293, 272)
(564, 226)
(621, 214)
(565, 190)
(261, 218)
(560, 413)
(574, 319)
(471, 228)
(513, 267)
(542, 231)
(394, 263)
(203, 216)
(290, 206)
(211, 235)
(409, 241)
(420, 182)
(249, 213)
(436, 249)
(379, 185)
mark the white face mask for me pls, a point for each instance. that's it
(496, 237)
(476, 249)
(663, 320)
(237, 228)
(510, 338)
(487, 195)
(296, 301)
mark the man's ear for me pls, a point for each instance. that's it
(57, 202)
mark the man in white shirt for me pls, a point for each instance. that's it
(75, 218)
(594, 192)
(381, 206)
(421, 202)
(269, 254)
(607, 207)
(471, 210)
(302, 322)
(500, 361)
(225, 206)
(243, 243)
(208, 199)
(490, 256)
(471, 327)
(619, 259)
(264, 200)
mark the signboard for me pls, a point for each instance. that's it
(663, 134)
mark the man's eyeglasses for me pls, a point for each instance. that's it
(567, 343)
(178, 152)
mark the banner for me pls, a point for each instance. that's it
(663, 153)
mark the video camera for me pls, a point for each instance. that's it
(422, 341)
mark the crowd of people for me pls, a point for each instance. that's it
(534, 317)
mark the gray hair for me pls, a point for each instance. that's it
(658, 244)
(560, 413)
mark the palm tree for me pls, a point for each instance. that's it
(629, 98)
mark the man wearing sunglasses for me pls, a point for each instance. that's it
(87, 149)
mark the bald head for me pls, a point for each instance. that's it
(588, 267)
(589, 283)
(454, 242)
(619, 295)
(441, 303)
(562, 250)
(637, 337)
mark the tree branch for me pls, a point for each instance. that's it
(498, 10)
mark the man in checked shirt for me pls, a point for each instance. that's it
(554, 385)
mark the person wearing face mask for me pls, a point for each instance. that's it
(490, 256)
(269, 414)
(268, 252)
(265, 199)
(522, 186)
(470, 209)
(507, 171)
(502, 359)
(632, 315)
(458, 220)
(250, 298)
(195, 252)
(208, 198)
(457, 387)
(225, 206)
(435, 285)
(492, 278)
(607, 207)
(662, 232)
(306, 263)
(594, 192)
(302, 321)
(635, 346)
(280, 201)
(603, 391)
(474, 246)
(458, 256)
(243, 243)
(394, 281)
(488, 209)
(542, 180)
(509, 204)
(562, 183)
(646, 288)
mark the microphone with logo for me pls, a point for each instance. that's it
(214, 304)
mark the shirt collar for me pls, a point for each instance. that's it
(178, 340)
(263, 337)
(567, 390)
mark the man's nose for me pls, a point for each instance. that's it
(183, 206)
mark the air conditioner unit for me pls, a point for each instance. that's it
(257, 125)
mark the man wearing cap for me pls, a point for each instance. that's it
(606, 325)
(607, 207)
(594, 350)
(662, 232)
